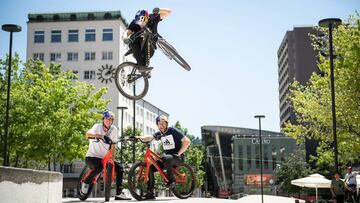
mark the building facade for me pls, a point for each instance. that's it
(232, 162)
(89, 45)
(296, 61)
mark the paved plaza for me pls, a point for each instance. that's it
(247, 199)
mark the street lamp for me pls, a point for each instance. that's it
(134, 119)
(8, 28)
(332, 23)
(261, 165)
(122, 108)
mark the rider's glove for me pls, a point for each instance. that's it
(107, 139)
(127, 40)
(157, 136)
(156, 10)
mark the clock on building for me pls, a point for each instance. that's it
(106, 73)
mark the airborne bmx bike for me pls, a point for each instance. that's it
(131, 81)
(141, 180)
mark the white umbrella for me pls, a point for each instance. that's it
(313, 181)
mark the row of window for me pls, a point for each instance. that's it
(73, 35)
(74, 56)
(268, 164)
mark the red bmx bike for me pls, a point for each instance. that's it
(108, 174)
(141, 182)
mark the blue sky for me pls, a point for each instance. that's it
(230, 44)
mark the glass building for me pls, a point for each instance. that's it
(232, 161)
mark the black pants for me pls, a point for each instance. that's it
(339, 198)
(141, 55)
(169, 162)
(96, 165)
(351, 195)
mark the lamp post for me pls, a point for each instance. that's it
(134, 130)
(8, 28)
(122, 108)
(332, 23)
(261, 165)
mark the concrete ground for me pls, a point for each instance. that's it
(247, 199)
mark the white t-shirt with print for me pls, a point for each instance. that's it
(99, 148)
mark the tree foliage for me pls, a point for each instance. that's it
(49, 113)
(293, 168)
(312, 102)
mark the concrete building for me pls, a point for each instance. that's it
(89, 45)
(296, 61)
(232, 162)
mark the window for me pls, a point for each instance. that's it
(90, 35)
(55, 36)
(248, 155)
(241, 165)
(107, 55)
(55, 57)
(73, 36)
(76, 72)
(107, 34)
(39, 37)
(266, 157)
(38, 56)
(72, 56)
(273, 156)
(89, 56)
(257, 156)
(89, 75)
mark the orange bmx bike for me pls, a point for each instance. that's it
(141, 180)
(107, 174)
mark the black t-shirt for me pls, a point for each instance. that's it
(152, 24)
(171, 140)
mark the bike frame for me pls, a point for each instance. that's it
(108, 158)
(150, 159)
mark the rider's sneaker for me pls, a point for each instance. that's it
(85, 188)
(122, 196)
(147, 74)
(150, 196)
(170, 185)
(143, 69)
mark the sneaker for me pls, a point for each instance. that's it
(147, 74)
(122, 196)
(170, 185)
(150, 196)
(143, 69)
(84, 188)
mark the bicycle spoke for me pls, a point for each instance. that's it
(185, 181)
(130, 81)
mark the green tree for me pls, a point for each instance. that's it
(312, 102)
(293, 168)
(49, 114)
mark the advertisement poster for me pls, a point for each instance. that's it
(255, 179)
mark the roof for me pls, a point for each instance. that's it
(76, 16)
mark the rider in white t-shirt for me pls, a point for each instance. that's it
(98, 149)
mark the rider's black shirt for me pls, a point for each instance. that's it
(152, 24)
(171, 140)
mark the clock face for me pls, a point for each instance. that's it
(106, 73)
